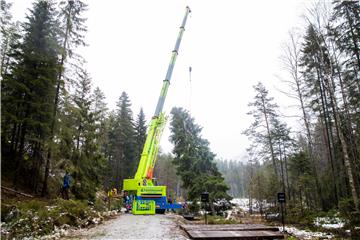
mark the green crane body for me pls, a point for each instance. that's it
(148, 197)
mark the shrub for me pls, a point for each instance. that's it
(37, 217)
(348, 211)
(194, 207)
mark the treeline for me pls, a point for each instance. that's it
(318, 166)
(236, 175)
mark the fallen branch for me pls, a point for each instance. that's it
(16, 192)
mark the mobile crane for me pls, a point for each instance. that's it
(149, 198)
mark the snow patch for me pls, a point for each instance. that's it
(242, 203)
(329, 222)
(303, 234)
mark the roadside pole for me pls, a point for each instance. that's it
(282, 199)
(205, 199)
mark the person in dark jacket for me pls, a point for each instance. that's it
(66, 186)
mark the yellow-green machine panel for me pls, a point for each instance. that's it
(143, 207)
(151, 190)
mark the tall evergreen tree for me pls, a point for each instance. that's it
(71, 36)
(283, 148)
(99, 110)
(124, 152)
(83, 102)
(315, 65)
(33, 84)
(260, 131)
(87, 157)
(111, 150)
(140, 131)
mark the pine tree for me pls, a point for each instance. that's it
(83, 102)
(300, 174)
(111, 151)
(71, 36)
(264, 113)
(124, 152)
(315, 66)
(283, 147)
(33, 85)
(140, 129)
(87, 156)
(99, 110)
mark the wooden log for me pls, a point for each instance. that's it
(16, 192)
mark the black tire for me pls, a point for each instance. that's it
(160, 211)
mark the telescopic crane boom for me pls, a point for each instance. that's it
(147, 196)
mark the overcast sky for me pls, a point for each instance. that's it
(231, 45)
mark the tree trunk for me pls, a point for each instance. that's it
(301, 203)
(328, 133)
(293, 53)
(349, 120)
(343, 143)
(344, 148)
(270, 139)
(13, 136)
(56, 103)
(20, 155)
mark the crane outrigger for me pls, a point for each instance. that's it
(148, 197)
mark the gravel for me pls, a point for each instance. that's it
(128, 226)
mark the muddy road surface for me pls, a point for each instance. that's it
(128, 226)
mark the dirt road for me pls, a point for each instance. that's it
(128, 226)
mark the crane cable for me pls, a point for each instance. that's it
(190, 97)
(190, 69)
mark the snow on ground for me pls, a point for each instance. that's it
(243, 204)
(303, 234)
(327, 222)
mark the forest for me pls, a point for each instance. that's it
(53, 119)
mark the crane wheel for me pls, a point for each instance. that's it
(160, 211)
